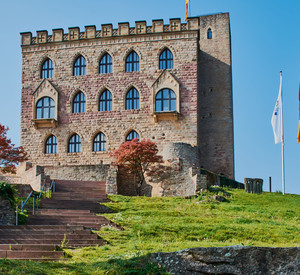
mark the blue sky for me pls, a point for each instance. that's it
(265, 40)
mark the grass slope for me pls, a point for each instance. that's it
(170, 224)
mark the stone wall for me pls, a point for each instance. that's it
(7, 213)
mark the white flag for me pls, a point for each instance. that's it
(276, 120)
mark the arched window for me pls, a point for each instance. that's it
(79, 66)
(132, 99)
(79, 103)
(45, 108)
(165, 101)
(132, 62)
(51, 145)
(99, 143)
(105, 65)
(74, 144)
(105, 101)
(209, 33)
(132, 135)
(166, 60)
(47, 69)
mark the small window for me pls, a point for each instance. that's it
(45, 108)
(51, 145)
(132, 99)
(209, 34)
(105, 65)
(79, 103)
(79, 66)
(74, 144)
(132, 62)
(166, 60)
(105, 102)
(165, 101)
(132, 135)
(99, 143)
(47, 69)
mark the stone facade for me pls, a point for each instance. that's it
(200, 79)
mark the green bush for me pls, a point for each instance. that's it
(7, 192)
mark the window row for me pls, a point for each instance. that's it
(74, 143)
(106, 64)
(165, 101)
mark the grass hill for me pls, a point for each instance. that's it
(170, 224)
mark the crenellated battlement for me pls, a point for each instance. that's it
(107, 30)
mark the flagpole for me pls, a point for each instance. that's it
(190, 8)
(282, 140)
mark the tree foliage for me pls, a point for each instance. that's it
(137, 156)
(10, 156)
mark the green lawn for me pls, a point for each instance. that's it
(170, 224)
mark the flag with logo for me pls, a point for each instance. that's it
(187, 9)
(276, 120)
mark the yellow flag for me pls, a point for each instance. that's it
(187, 10)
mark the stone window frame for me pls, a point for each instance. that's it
(129, 131)
(100, 58)
(51, 100)
(106, 142)
(68, 143)
(80, 102)
(138, 52)
(73, 60)
(49, 70)
(45, 144)
(41, 63)
(99, 96)
(69, 104)
(163, 99)
(141, 100)
(172, 50)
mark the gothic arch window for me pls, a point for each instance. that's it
(51, 145)
(166, 60)
(74, 145)
(99, 144)
(79, 103)
(105, 101)
(165, 101)
(209, 33)
(132, 99)
(132, 135)
(47, 69)
(45, 108)
(132, 62)
(105, 65)
(79, 67)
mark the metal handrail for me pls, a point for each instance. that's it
(32, 193)
(39, 196)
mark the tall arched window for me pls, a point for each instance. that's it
(105, 65)
(132, 135)
(51, 145)
(105, 101)
(166, 60)
(99, 143)
(74, 145)
(132, 62)
(47, 69)
(79, 103)
(45, 108)
(165, 100)
(79, 67)
(209, 33)
(132, 99)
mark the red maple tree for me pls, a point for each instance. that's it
(10, 156)
(137, 156)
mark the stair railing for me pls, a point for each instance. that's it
(36, 198)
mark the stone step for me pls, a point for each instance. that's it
(83, 184)
(5, 232)
(90, 217)
(68, 243)
(45, 211)
(30, 247)
(78, 189)
(10, 254)
(43, 227)
(58, 237)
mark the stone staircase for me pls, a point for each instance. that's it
(66, 220)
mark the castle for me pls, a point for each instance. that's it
(84, 93)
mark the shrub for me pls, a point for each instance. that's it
(7, 192)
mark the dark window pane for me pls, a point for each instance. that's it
(79, 66)
(132, 99)
(165, 101)
(105, 64)
(74, 144)
(51, 145)
(79, 103)
(132, 62)
(99, 143)
(105, 102)
(47, 69)
(45, 108)
(132, 135)
(166, 60)
(209, 34)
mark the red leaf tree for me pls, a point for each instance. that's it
(137, 156)
(10, 156)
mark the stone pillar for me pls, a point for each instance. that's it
(253, 185)
(111, 181)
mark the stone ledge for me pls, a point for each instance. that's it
(45, 123)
